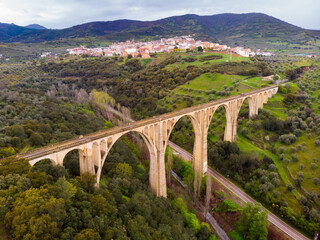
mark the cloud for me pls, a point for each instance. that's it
(66, 13)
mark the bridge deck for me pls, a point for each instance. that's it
(39, 152)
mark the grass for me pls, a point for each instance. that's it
(209, 81)
(275, 107)
(200, 89)
(246, 146)
(197, 56)
(305, 158)
(253, 82)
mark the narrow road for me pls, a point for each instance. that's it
(242, 195)
(221, 233)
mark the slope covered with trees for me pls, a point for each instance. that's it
(253, 30)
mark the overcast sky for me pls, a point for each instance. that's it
(67, 13)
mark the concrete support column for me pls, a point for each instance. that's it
(253, 111)
(265, 97)
(228, 132)
(198, 153)
(86, 160)
(60, 157)
(260, 101)
(234, 128)
(83, 162)
(157, 175)
(97, 161)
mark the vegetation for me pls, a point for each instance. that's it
(275, 158)
(253, 223)
(40, 204)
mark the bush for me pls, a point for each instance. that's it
(272, 124)
(297, 132)
(294, 158)
(288, 138)
(286, 161)
(290, 187)
(282, 149)
(36, 139)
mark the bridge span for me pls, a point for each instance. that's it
(155, 131)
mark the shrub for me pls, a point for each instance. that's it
(282, 149)
(301, 166)
(286, 161)
(294, 158)
(297, 132)
(290, 187)
(276, 194)
(293, 150)
(272, 167)
(244, 131)
(300, 175)
(288, 138)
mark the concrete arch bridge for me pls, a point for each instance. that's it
(155, 131)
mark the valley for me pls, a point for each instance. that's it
(275, 158)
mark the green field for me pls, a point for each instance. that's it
(198, 63)
(201, 89)
(209, 81)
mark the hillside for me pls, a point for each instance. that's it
(253, 30)
(8, 31)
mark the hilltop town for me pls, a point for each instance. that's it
(143, 49)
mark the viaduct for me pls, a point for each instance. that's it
(155, 131)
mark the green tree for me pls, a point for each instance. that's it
(15, 131)
(253, 223)
(13, 165)
(88, 181)
(100, 205)
(36, 139)
(87, 234)
(36, 214)
(123, 170)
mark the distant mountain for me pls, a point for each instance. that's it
(254, 30)
(8, 31)
(35, 26)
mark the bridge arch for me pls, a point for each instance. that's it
(170, 124)
(73, 160)
(52, 161)
(35, 161)
(108, 143)
(228, 126)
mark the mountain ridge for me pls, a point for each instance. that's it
(236, 29)
(35, 26)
